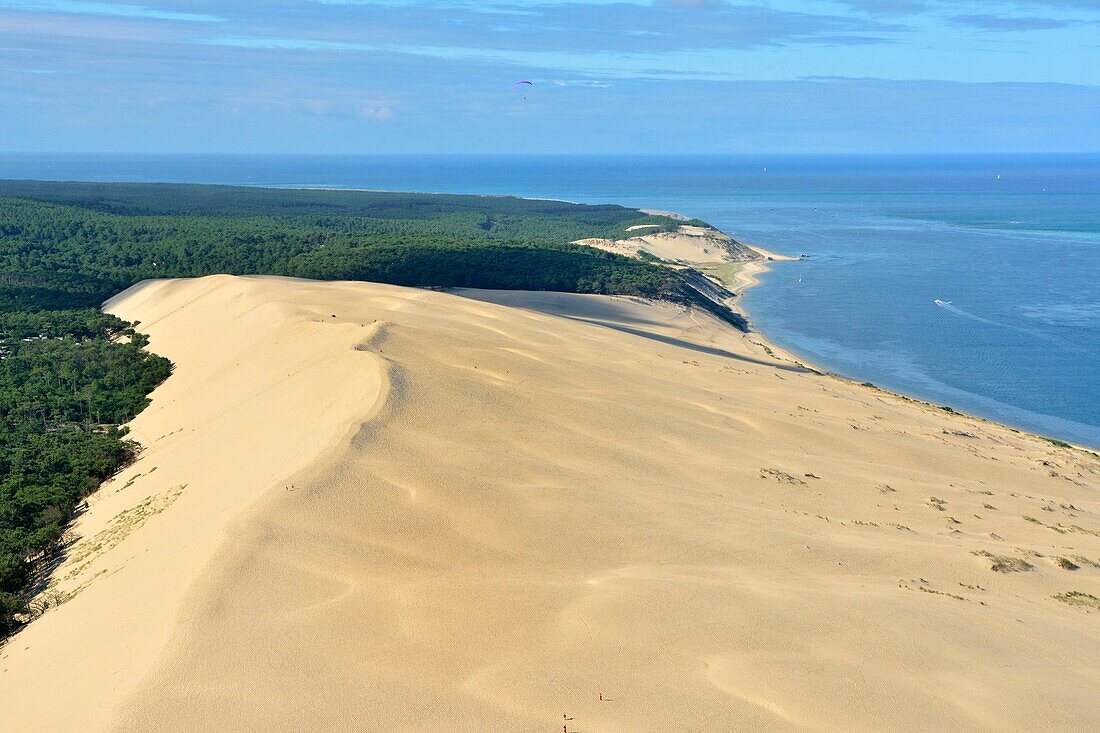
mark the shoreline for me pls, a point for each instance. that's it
(749, 277)
(473, 504)
(492, 526)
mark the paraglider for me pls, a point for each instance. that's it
(523, 83)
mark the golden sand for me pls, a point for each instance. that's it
(365, 507)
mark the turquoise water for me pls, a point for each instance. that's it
(1009, 245)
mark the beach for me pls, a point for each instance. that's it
(369, 506)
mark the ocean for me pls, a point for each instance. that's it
(969, 281)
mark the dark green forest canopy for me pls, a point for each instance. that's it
(72, 244)
(235, 201)
(71, 375)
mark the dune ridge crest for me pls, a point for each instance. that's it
(260, 392)
(482, 510)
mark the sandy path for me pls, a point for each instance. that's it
(559, 497)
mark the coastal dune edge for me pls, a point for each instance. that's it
(363, 505)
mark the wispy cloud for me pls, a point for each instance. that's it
(290, 44)
(118, 10)
(1002, 24)
(561, 26)
(1008, 10)
(887, 7)
(313, 75)
(585, 83)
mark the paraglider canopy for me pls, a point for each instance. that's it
(523, 83)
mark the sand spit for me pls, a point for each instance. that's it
(506, 505)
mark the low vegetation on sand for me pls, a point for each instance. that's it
(70, 375)
(1077, 598)
(65, 391)
(1005, 563)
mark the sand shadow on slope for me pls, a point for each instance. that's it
(614, 313)
(709, 350)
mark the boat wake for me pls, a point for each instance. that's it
(947, 305)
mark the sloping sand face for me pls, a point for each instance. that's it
(690, 244)
(407, 510)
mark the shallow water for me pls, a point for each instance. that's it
(1010, 245)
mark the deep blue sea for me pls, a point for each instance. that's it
(970, 281)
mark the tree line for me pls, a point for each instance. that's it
(71, 376)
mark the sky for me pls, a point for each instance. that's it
(608, 76)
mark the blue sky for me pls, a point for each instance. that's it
(670, 76)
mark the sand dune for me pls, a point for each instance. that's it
(688, 245)
(371, 507)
